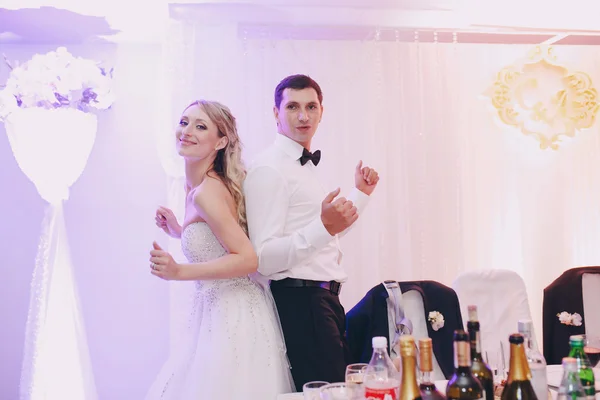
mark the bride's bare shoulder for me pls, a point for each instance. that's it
(212, 190)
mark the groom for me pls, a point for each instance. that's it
(295, 227)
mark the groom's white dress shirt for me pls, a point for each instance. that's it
(283, 206)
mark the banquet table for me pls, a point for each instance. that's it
(554, 373)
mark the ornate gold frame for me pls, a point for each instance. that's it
(543, 98)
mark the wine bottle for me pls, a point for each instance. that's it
(409, 390)
(518, 385)
(463, 385)
(479, 368)
(427, 387)
(586, 373)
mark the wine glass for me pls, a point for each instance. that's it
(336, 391)
(592, 349)
(312, 389)
(355, 376)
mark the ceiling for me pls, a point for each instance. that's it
(67, 21)
(360, 4)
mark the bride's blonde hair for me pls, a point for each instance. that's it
(228, 164)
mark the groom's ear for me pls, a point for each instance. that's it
(321, 117)
(276, 115)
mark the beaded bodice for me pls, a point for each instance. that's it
(199, 243)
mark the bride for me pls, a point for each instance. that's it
(234, 348)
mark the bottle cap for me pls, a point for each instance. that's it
(379, 342)
(407, 345)
(516, 338)
(569, 363)
(576, 340)
(525, 326)
(472, 311)
(406, 341)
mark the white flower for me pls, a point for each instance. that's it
(436, 319)
(564, 318)
(57, 79)
(569, 319)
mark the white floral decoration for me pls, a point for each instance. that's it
(569, 319)
(56, 80)
(436, 319)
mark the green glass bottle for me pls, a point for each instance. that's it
(586, 373)
(480, 370)
(463, 385)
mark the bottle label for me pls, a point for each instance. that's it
(462, 354)
(381, 393)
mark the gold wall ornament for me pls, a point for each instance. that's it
(543, 98)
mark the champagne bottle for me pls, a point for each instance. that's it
(586, 373)
(427, 387)
(536, 361)
(518, 385)
(463, 385)
(480, 370)
(409, 390)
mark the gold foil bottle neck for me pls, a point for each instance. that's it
(407, 345)
(425, 355)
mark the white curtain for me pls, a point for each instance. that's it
(459, 190)
(52, 148)
(175, 74)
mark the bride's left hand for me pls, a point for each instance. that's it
(162, 264)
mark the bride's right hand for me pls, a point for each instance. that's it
(166, 220)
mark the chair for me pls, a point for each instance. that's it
(373, 316)
(501, 300)
(575, 291)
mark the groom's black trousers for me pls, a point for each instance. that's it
(314, 324)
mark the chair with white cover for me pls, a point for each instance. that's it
(501, 299)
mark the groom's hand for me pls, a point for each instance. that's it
(337, 215)
(365, 179)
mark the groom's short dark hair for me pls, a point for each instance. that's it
(297, 82)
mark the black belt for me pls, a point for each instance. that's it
(333, 286)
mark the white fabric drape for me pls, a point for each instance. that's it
(52, 148)
(459, 191)
(174, 73)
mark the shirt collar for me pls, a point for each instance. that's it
(289, 147)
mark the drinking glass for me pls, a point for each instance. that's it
(311, 389)
(355, 376)
(336, 391)
(592, 349)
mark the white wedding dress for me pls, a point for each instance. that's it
(234, 347)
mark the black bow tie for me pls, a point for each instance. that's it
(307, 155)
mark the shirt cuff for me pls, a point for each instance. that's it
(359, 199)
(316, 235)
